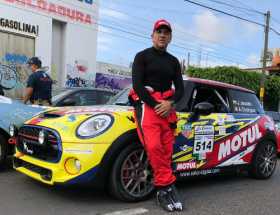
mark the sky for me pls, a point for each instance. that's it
(210, 38)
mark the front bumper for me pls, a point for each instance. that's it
(89, 156)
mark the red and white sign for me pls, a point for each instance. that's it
(56, 9)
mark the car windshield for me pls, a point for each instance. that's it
(244, 102)
(59, 93)
(121, 98)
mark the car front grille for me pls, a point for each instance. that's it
(45, 174)
(28, 143)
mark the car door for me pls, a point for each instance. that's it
(197, 134)
(242, 130)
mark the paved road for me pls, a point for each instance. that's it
(238, 195)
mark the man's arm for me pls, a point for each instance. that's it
(27, 95)
(164, 107)
(178, 83)
(29, 88)
(138, 81)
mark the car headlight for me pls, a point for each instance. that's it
(95, 126)
(12, 130)
(41, 138)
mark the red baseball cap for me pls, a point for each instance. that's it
(161, 23)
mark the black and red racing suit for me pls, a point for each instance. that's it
(153, 74)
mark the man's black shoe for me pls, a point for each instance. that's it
(175, 198)
(164, 200)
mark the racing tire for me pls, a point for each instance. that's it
(3, 150)
(264, 161)
(131, 177)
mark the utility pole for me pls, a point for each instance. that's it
(266, 32)
(188, 62)
(206, 61)
(199, 56)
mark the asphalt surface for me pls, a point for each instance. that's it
(234, 194)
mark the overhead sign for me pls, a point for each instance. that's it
(19, 27)
(56, 9)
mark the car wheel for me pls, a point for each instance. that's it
(3, 149)
(264, 160)
(131, 177)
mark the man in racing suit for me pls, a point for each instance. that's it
(153, 73)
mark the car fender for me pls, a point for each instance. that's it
(116, 147)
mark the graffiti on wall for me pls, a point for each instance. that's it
(13, 74)
(112, 82)
(8, 77)
(78, 75)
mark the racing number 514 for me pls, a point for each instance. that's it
(203, 144)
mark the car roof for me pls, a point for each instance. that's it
(73, 89)
(217, 84)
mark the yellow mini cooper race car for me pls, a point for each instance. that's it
(220, 127)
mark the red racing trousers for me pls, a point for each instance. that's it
(157, 137)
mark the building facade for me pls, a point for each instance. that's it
(111, 76)
(62, 33)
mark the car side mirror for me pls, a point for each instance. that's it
(203, 108)
(68, 102)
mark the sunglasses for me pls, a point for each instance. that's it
(163, 31)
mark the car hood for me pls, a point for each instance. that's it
(66, 120)
(15, 112)
(87, 110)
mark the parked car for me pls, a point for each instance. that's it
(220, 127)
(81, 97)
(276, 118)
(16, 113)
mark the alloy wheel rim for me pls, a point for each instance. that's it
(136, 175)
(267, 160)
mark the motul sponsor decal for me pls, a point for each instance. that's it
(234, 144)
(186, 166)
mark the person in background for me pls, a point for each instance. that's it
(1, 91)
(39, 84)
(154, 71)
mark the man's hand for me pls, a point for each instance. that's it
(27, 95)
(163, 108)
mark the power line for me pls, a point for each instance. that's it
(175, 45)
(238, 7)
(149, 20)
(226, 13)
(192, 45)
(232, 15)
(240, 54)
(275, 20)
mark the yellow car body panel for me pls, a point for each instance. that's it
(89, 151)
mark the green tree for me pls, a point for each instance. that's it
(249, 80)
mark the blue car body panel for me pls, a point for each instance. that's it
(15, 112)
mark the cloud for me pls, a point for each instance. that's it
(103, 47)
(253, 59)
(104, 12)
(250, 29)
(104, 40)
(209, 27)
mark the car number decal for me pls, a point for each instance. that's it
(204, 139)
(203, 144)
